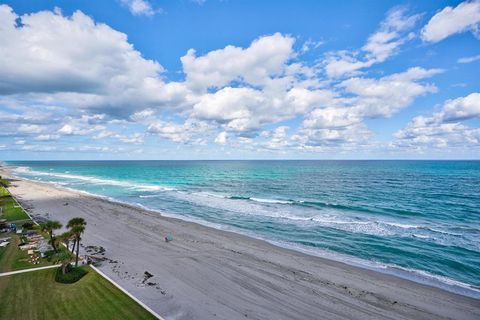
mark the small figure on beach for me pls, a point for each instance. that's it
(168, 238)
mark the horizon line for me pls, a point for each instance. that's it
(266, 159)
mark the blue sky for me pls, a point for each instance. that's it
(137, 79)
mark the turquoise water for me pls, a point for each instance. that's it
(416, 219)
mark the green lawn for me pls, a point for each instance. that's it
(10, 209)
(36, 295)
(3, 192)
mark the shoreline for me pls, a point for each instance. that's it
(414, 275)
(344, 287)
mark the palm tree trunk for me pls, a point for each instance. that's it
(64, 268)
(78, 246)
(73, 246)
(52, 240)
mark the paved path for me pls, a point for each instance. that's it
(28, 270)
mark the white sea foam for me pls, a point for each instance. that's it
(271, 201)
(421, 236)
(401, 225)
(94, 180)
(261, 200)
(327, 217)
(211, 194)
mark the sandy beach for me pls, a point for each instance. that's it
(205, 273)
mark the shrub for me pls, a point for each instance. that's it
(49, 253)
(71, 276)
(51, 256)
(28, 225)
(56, 257)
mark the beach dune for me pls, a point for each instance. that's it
(205, 273)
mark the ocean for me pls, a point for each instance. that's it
(416, 219)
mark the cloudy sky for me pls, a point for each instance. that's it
(138, 79)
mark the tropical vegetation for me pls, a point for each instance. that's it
(49, 227)
(77, 227)
(29, 295)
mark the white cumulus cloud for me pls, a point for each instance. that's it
(382, 44)
(76, 62)
(264, 59)
(443, 129)
(140, 7)
(221, 138)
(453, 20)
(387, 95)
(462, 108)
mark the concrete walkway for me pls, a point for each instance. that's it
(28, 270)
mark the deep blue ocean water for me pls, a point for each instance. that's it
(416, 219)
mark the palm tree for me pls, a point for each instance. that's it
(66, 237)
(77, 227)
(64, 258)
(77, 231)
(49, 226)
(75, 222)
